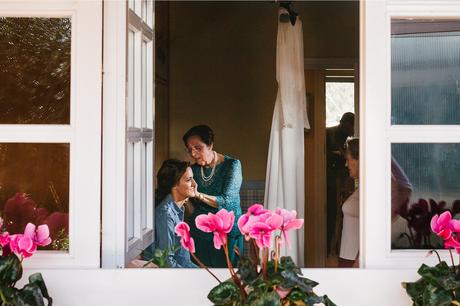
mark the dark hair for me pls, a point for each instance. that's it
(168, 176)
(203, 131)
(352, 147)
(348, 118)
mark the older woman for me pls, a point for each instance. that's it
(219, 181)
(175, 186)
(349, 247)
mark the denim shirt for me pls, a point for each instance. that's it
(167, 216)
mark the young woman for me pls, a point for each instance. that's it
(349, 246)
(175, 186)
(219, 180)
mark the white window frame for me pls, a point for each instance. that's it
(117, 248)
(83, 133)
(378, 134)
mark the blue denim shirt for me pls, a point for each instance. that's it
(167, 216)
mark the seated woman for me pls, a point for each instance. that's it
(219, 180)
(349, 246)
(175, 186)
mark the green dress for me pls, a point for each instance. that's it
(225, 185)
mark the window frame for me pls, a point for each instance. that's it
(83, 133)
(117, 248)
(378, 134)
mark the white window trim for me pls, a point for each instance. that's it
(83, 133)
(377, 133)
(117, 250)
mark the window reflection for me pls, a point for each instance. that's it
(35, 70)
(431, 174)
(34, 187)
(425, 72)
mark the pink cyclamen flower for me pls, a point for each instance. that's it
(183, 231)
(22, 245)
(4, 238)
(40, 235)
(220, 224)
(26, 244)
(245, 221)
(290, 222)
(440, 225)
(261, 230)
(452, 243)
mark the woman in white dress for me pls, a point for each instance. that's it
(349, 246)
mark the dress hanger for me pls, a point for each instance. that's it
(291, 16)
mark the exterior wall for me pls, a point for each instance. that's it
(346, 287)
(223, 66)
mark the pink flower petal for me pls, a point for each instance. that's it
(204, 223)
(444, 219)
(43, 235)
(293, 224)
(434, 224)
(29, 230)
(455, 225)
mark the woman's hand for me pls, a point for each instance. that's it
(206, 199)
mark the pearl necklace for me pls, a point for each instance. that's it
(208, 178)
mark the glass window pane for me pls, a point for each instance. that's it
(339, 100)
(425, 180)
(425, 72)
(131, 78)
(34, 187)
(130, 189)
(35, 70)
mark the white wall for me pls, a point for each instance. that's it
(346, 287)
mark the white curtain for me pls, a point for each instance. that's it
(284, 185)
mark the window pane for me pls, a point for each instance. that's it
(339, 100)
(130, 189)
(34, 187)
(131, 78)
(425, 72)
(425, 180)
(35, 70)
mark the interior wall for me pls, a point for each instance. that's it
(223, 65)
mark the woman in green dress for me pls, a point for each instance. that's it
(218, 179)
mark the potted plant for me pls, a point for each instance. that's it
(439, 285)
(15, 248)
(264, 278)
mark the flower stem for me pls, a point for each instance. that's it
(204, 267)
(235, 278)
(452, 260)
(255, 250)
(265, 259)
(437, 254)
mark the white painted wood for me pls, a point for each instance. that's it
(377, 134)
(83, 133)
(114, 220)
(184, 287)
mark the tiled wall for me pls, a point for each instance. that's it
(251, 192)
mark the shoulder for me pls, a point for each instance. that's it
(164, 207)
(231, 161)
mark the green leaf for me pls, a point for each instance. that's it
(30, 295)
(247, 270)
(37, 279)
(296, 295)
(415, 290)
(267, 299)
(292, 279)
(7, 294)
(440, 275)
(10, 269)
(286, 263)
(432, 296)
(225, 293)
